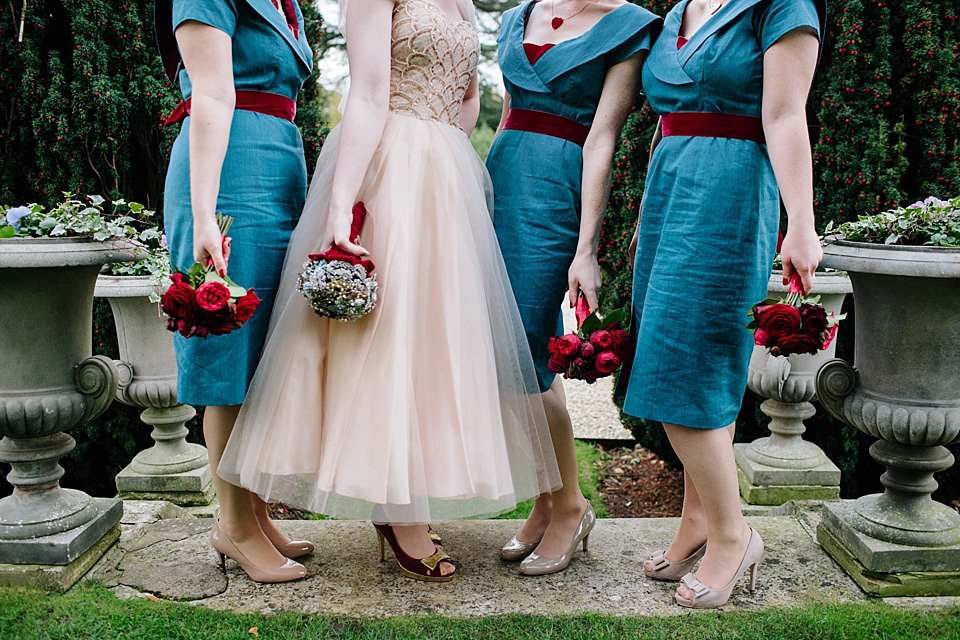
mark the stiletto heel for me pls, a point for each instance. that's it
(426, 569)
(703, 597)
(287, 572)
(223, 562)
(537, 565)
(663, 569)
(380, 545)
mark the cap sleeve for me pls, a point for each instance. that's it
(783, 16)
(219, 14)
(642, 33)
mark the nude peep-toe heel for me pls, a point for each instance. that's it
(537, 565)
(664, 569)
(706, 598)
(287, 572)
(515, 550)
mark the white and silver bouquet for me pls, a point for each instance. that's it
(337, 284)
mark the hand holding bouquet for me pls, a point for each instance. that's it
(337, 284)
(595, 350)
(202, 302)
(793, 325)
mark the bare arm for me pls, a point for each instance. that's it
(788, 68)
(368, 51)
(470, 108)
(208, 58)
(616, 100)
(657, 137)
(504, 112)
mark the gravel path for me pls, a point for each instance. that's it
(591, 407)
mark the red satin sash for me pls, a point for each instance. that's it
(548, 124)
(270, 104)
(713, 125)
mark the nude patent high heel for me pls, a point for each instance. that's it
(287, 572)
(664, 569)
(295, 548)
(706, 598)
(516, 550)
(537, 565)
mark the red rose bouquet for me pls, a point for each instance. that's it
(201, 302)
(793, 325)
(595, 350)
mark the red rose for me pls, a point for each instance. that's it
(179, 302)
(220, 322)
(621, 342)
(558, 364)
(763, 338)
(553, 347)
(601, 339)
(778, 320)
(212, 296)
(246, 306)
(814, 318)
(587, 350)
(590, 376)
(579, 363)
(798, 343)
(568, 345)
(607, 362)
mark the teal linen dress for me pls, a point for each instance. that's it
(263, 185)
(536, 177)
(710, 217)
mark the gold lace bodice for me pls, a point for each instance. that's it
(432, 61)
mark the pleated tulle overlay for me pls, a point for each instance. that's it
(429, 405)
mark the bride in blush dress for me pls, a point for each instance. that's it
(422, 410)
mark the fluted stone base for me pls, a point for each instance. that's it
(65, 547)
(768, 485)
(887, 584)
(188, 488)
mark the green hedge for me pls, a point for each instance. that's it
(884, 115)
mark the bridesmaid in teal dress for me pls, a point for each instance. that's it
(730, 79)
(238, 153)
(571, 70)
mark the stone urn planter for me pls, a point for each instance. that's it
(172, 469)
(49, 383)
(904, 390)
(783, 466)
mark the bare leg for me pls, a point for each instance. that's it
(567, 503)
(266, 524)
(416, 543)
(692, 531)
(237, 518)
(707, 456)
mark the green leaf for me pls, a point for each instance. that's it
(48, 223)
(96, 200)
(614, 317)
(236, 290)
(7, 231)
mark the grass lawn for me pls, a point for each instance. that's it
(589, 459)
(93, 612)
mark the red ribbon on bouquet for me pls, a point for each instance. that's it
(336, 253)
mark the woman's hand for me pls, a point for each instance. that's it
(584, 275)
(337, 233)
(801, 253)
(209, 245)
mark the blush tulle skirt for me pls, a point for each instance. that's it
(429, 405)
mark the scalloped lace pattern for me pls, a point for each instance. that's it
(433, 59)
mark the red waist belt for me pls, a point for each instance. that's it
(548, 124)
(713, 125)
(270, 104)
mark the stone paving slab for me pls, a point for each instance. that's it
(173, 559)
